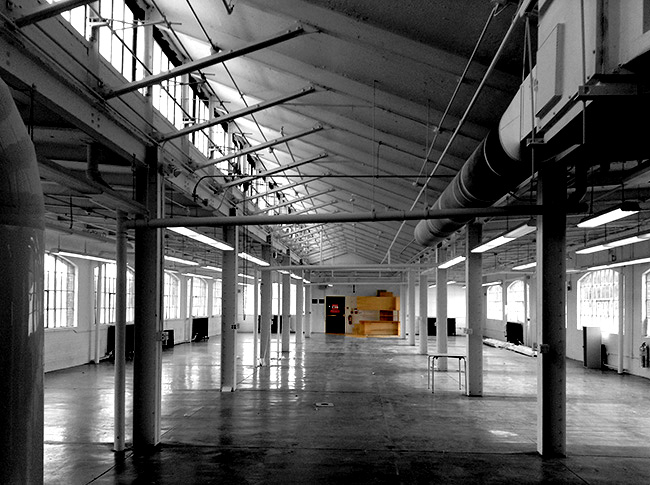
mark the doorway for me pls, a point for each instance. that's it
(334, 314)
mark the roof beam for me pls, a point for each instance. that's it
(297, 200)
(49, 12)
(237, 114)
(266, 173)
(261, 146)
(312, 208)
(279, 189)
(208, 61)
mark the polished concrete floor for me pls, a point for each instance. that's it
(347, 410)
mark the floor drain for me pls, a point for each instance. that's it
(324, 405)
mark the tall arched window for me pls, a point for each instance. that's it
(107, 301)
(172, 296)
(216, 297)
(60, 287)
(494, 302)
(598, 300)
(199, 297)
(517, 298)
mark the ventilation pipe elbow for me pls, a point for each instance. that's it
(488, 174)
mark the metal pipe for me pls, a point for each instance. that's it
(621, 323)
(264, 220)
(49, 11)
(411, 307)
(256, 302)
(441, 315)
(261, 146)
(208, 61)
(119, 397)
(98, 308)
(237, 114)
(21, 300)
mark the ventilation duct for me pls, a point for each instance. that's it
(488, 174)
(21, 301)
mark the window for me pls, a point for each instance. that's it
(598, 300)
(517, 302)
(216, 297)
(106, 300)
(495, 302)
(172, 296)
(199, 297)
(60, 292)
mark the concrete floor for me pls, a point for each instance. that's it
(383, 425)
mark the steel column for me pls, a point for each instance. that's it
(147, 362)
(119, 396)
(266, 310)
(229, 314)
(424, 310)
(411, 307)
(475, 316)
(286, 311)
(300, 308)
(551, 271)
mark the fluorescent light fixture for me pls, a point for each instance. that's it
(181, 261)
(201, 238)
(283, 271)
(506, 237)
(452, 282)
(525, 266)
(615, 213)
(212, 268)
(619, 264)
(84, 256)
(248, 277)
(491, 283)
(307, 282)
(295, 276)
(432, 286)
(194, 275)
(452, 262)
(614, 244)
(253, 259)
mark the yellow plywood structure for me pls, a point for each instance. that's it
(375, 303)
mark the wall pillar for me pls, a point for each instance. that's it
(551, 271)
(475, 316)
(119, 396)
(229, 314)
(308, 305)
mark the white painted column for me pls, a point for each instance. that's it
(475, 316)
(256, 313)
(403, 303)
(98, 308)
(621, 321)
(266, 311)
(441, 316)
(229, 316)
(119, 396)
(308, 306)
(286, 312)
(411, 307)
(300, 308)
(424, 310)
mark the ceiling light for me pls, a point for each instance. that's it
(452, 262)
(296, 277)
(307, 282)
(619, 264)
(452, 282)
(622, 210)
(253, 259)
(84, 256)
(246, 276)
(525, 266)
(212, 268)
(491, 283)
(201, 238)
(283, 271)
(615, 244)
(180, 261)
(506, 237)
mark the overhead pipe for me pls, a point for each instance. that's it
(49, 11)
(21, 300)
